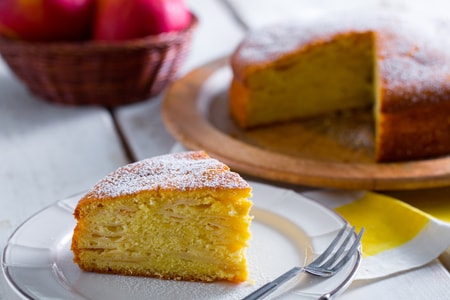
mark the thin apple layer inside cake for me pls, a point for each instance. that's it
(169, 238)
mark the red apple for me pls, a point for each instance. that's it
(46, 20)
(127, 19)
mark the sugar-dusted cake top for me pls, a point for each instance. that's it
(278, 40)
(183, 171)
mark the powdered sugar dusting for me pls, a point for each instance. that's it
(277, 40)
(182, 171)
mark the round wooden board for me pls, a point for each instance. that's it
(333, 152)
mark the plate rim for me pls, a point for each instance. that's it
(16, 288)
(25, 295)
(180, 107)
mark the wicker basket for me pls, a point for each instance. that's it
(99, 73)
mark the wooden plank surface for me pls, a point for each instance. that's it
(47, 153)
(255, 14)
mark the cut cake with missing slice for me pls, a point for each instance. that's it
(182, 216)
(396, 64)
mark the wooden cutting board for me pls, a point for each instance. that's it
(335, 151)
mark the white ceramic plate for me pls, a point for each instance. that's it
(288, 230)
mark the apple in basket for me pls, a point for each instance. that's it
(126, 19)
(46, 20)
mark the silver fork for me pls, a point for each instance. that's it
(327, 264)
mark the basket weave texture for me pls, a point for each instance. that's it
(99, 73)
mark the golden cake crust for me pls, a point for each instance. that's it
(413, 73)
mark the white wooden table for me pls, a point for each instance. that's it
(49, 152)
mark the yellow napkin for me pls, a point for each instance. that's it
(399, 235)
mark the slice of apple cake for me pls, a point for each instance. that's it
(182, 216)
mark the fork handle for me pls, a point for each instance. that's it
(270, 287)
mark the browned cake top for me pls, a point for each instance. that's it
(180, 171)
